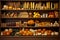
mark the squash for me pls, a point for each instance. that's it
(31, 22)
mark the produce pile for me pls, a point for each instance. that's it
(28, 32)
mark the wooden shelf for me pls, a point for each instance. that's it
(33, 10)
(27, 18)
(30, 36)
(30, 27)
(28, 0)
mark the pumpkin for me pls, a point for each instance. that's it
(30, 22)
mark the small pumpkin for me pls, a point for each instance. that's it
(30, 22)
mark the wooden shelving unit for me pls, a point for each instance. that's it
(11, 19)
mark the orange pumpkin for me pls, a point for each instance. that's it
(31, 22)
(21, 32)
(6, 33)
